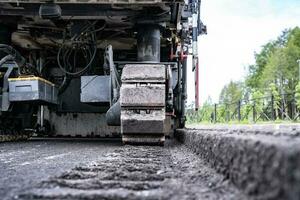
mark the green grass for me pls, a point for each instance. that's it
(244, 122)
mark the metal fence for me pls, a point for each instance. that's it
(267, 108)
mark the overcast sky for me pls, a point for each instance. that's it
(236, 29)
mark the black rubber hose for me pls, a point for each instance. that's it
(86, 67)
(14, 53)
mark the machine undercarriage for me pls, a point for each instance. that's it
(96, 68)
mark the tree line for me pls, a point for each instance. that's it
(271, 88)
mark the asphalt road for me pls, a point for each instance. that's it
(25, 164)
(80, 169)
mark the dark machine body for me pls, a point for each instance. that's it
(96, 68)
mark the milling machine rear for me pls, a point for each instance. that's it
(96, 68)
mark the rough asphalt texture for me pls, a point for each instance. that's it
(25, 164)
(105, 170)
(263, 161)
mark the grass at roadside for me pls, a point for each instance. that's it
(244, 122)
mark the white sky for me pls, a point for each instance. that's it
(236, 29)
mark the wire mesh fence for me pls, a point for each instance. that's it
(267, 108)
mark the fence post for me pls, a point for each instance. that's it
(293, 115)
(254, 113)
(282, 109)
(226, 113)
(215, 113)
(239, 110)
(272, 108)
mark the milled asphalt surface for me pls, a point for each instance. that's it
(66, 169)
(261, 160)
(25, 164)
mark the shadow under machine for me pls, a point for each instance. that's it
(96, 68)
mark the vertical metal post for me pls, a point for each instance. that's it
(282, 109)
(298, 61)
(195, 33)
(295, 116)
(184, 91)
(272, 108)
(254, 113)
(293, 113)
(197, 87)
(215, 113)
(239, 111)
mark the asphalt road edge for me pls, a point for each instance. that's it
(263, 166)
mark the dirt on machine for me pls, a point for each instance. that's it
(96, 68)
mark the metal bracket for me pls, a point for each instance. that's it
(5, 98)
(114, 75)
